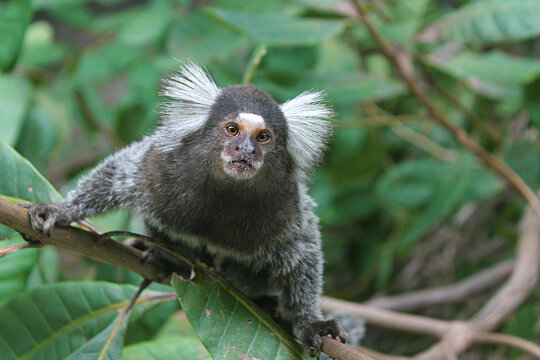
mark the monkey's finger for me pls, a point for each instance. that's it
(315, 348)
(48, 225)
(35, 220)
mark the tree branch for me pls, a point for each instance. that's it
(445, 294)
(80, 241)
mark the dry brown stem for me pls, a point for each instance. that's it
(445, 294)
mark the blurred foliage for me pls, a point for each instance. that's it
(79, 79)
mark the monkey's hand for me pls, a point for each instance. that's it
(44, 217)
(312, 333)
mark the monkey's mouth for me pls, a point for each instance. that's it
(242, 168)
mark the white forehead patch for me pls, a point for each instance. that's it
(252, 118)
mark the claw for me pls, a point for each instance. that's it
(44, 217)
(313, 332)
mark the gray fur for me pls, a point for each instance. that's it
(260, 233)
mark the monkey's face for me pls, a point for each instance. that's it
(246, 139)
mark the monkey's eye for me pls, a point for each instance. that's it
(231, 130)
(263, 136)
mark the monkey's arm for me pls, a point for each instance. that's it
(111, 184)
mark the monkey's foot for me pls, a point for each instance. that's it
(312, 334)
(44, 217)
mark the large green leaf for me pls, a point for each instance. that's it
(274, 29)
(54, 321)
(493, 67)
(14, 17)
(148, 25)
(492, 21)
(15, 93)
(229, 325)
(196, 36)
(107, 344)
(19, 179)
(176, 347)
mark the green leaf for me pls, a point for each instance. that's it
(39, 48)
(428, 191)
(489, 22)
(342, 89)
(52, 4)
(38, 137)
(524, 158)
(151, 323)
(106, 62)
(410, 184)
(14, 17)
(45, 269)
(229, 325)
(494, 67)
(15, 269)
(99, 344)
(530, 101)
(54, 321)
(19, 179)
(176, 347)
(148, 25)
(15, 93)
(273, 29)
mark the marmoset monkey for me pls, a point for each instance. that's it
(223, 179)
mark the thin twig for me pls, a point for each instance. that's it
(103, 353)
(254, 63)
(503, 339)
(11, 249)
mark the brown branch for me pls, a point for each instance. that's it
(403, 65)
(388, 319)
(336, 350)
(523, 279)
(445, 294)
(80, 241)
(425, 325)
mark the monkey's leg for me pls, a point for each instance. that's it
(300, 301)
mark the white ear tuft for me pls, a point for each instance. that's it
(191, 92)
(309, 128)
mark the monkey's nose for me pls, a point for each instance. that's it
(245, 147)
